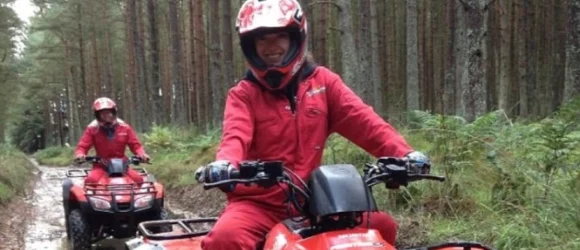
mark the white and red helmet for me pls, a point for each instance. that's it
(104, 103)
(264, 16)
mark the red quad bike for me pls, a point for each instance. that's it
(334, 201)
(113, 206)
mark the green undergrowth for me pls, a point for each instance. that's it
(55, 156)
(15, 173)
(511, 184)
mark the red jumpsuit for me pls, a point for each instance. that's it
(109, 146)
(259, 124)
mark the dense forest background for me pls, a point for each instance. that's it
(172, 62)
(486, 88)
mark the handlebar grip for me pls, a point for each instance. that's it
(235, 174)
(92, 158)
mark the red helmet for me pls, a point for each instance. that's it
(257, 16)
(104, 103)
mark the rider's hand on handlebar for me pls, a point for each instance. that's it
(79, 158)
(215, 172)
(144, 158)
(419, 163)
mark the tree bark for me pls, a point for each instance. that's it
(176, 81)
(215, 60)
(203, 92)
(449, 60)
(505, 66)
(572, 83)
(350, 65)
(412, 64)
(474, 90)
(523, 26)
(157, 93)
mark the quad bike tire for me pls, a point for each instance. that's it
(162, 215)
(79, 231)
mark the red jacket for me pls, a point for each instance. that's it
(107, 148)
(259, 124)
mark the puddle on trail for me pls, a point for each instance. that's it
(46, 230)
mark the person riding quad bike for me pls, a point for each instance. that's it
(110, 136)
(285, 109)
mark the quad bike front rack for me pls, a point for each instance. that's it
(184, 224)
(113, 190)
(83, 172)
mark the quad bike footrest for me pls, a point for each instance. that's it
(184, 224)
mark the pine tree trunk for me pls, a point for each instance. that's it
(157, 94)
(412, 63)
(176, 81)
(474, 90)
(572, 87)
(215, 60)
(350, 65)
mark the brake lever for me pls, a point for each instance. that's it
(416, 177)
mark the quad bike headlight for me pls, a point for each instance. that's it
(144, 202)
(99, 204)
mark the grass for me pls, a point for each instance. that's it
(55, 156)
(510, 184)
(15, 173)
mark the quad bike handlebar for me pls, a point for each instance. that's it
(391, 171)
(135, 160)
(268, 173)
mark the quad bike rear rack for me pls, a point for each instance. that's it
(184, 224)
(81, 172)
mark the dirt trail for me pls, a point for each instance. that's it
(46, 224)
(37, 220)
(45, 229)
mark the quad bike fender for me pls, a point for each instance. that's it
(358, 238)
(279, 236)
(77, 194)
(160, 191)
(71, 193)
(66, 186)
(177, 244)
(139, 244)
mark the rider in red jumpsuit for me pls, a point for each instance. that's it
(110, 136)
(285, 109)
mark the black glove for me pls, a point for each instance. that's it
(215, 172)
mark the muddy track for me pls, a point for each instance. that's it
(45, 223)
(45, 227)
(43, 215)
